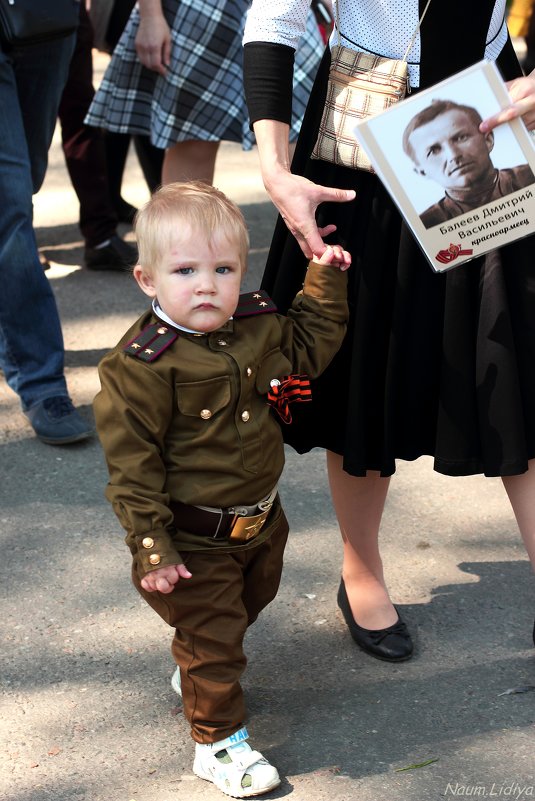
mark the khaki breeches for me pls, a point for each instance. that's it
(210, 613)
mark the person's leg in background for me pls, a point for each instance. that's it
(192, 160)
(31, 341)
(117, 144)
(85, 156)
(150, 160)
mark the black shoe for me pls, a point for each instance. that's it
(45, 264)
(125, 211)
(117, 255)
(56, 421)
(392, 644)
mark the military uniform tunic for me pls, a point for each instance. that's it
(188, 421)
(194, 425)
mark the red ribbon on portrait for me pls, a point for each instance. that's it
(452, 253)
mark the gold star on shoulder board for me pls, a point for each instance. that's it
(151, 342)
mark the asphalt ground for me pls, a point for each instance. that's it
(87, 711)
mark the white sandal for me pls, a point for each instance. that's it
(234, 767)
(176, 683)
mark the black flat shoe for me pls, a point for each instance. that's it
(392, 644)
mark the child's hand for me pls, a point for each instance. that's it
(335, 256)
(165, 578)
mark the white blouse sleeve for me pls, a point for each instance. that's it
(276, 21)
(384, 28)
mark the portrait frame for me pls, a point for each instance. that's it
(467, 235)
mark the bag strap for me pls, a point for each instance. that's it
(414, 35)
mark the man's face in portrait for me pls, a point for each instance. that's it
(452, 151)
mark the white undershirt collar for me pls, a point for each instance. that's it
(159, 312)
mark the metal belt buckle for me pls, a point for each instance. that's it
(266, 505)
(245, 528)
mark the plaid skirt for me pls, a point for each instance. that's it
(201, 97)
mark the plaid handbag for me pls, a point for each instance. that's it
(360, 85)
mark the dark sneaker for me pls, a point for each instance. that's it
(56, 421)
(118, 255)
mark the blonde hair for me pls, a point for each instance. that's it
(200, 206)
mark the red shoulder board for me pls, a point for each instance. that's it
(251, 303)
(151, 342)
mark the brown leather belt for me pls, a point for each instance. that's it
(221, 524)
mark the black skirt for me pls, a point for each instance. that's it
(432, 364)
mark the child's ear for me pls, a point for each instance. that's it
(144, 280)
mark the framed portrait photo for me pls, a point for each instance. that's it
(461, 192)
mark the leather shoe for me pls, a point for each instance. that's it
(56, 421)
(116, 255)
(392, 644)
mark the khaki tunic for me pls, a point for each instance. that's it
(194, 425)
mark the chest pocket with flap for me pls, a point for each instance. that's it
(203, 399)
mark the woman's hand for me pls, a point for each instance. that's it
(153, 39)
(297, 199)
(522, 91)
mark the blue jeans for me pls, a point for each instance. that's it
(31, 342)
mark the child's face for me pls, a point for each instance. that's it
(196, 282)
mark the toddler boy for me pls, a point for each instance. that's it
(194, 450)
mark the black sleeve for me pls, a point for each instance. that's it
(268, 81)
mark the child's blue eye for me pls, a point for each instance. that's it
(223, 270)
(184, 270)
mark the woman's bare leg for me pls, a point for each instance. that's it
(359, 504)
(521, 492)
(192, 160)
